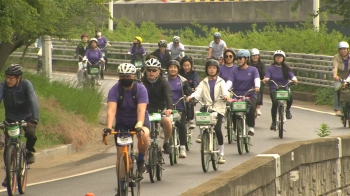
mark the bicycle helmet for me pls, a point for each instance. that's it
(254, 51)
(14, 70)
(153, 63)
(280, 53)
(176, 39)
(217, 35)
(212, 62)
(162, 43)
(127, 69)
(174, 62)
(343, 44)
(243, 53)
(139, 39)
(93, 39)
(84, 35)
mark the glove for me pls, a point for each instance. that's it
(106, 131)
(139, 124)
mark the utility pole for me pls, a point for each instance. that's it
(47, 56)
(316, 20)
(110, 21)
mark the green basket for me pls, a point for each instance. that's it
(239, 106)
(155, 117)
(203, 118)
(176, 115)
(138, 64)
(14, 131)
(93, 71)
(282, 95)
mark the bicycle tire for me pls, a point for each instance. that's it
(136, 177)
(247, 144)
(11, 168)
(22, 170)
(280, 125)
(189, 138)
(123, 189)
(214, 156)
(239, 132)
(176, 149)
(159, 169)
(345, 114)
(152, 163)
(205, 156)
(229, 128)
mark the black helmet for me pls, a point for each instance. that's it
(174, 62)
(211, 62)
(14, 70)
(162, 43)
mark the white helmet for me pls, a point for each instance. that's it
(93, 39)
(176, 39)
(343, 44)
(254, 51)
(279, 52)
(153, 63)
(126, 68)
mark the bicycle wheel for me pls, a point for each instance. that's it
(189, 138)
(247, 144)
(205, 156)
(239, 132)
(159, 168)
(123, 177)
(135, 178)
(176, 149)
(22, 170)
(11, 169)
(280, 118)
(215, 155)
(229, 127)
(152, 162)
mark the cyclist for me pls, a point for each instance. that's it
(137, 51)
(341, 69)
(20, 103)
(160, 97)
(180, 87)
(209, 90)
(229, 59)
(243, 78)
(129, 114)
(94, 55)
(162, 54)
(102, 44)
(80, 53)
(176, 49)
(279, 72)
(255, 61)
(216, 48)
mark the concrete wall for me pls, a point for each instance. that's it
(213, 12)
(322, 167)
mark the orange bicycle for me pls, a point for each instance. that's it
(129, 179)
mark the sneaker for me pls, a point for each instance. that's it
(30, 157)
(4, 183)
(273, 126)
(141, 168)
(182, 152)
(251, 131)
(338, 113)
(199, 138)
(288, 114)
(222, 159)
(258, 112)
(167, 148)
(192, 125)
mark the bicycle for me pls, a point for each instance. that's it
(15, 157)
(282, 95)
(209, 145)
(155, 155)
(127, 162)
(91, 73)
(229, 124)
(239, 109)
(139, 73)
(344, 98)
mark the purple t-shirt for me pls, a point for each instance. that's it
(176, 87)
(102, 42)
(93, 55)
(138, 50)
(127, 112)
(243, 80)
(212, 86)
(346, 63)
(275, 73)
(224, 72)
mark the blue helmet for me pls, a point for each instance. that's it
(217, 34)
(243, 53)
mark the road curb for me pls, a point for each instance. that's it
(54, 153)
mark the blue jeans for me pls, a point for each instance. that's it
(337, 104)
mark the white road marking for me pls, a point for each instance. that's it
(307, 109)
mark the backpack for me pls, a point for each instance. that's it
(121, 94)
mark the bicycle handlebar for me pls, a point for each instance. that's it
(107, 132)
(221, 97)
(282, 86)
(6, 124)
(241, 96)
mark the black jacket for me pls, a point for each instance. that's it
(261, 68)
(163, 61)
(20, 102)
(160, 95)
(80, 50)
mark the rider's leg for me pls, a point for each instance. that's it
(31, 140)
(273, 111)
(251, 116)
(289, 105)
(181, 125)
(167, 128)
(220, 138)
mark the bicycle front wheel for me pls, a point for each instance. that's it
(11, 169)
(159, 168)
(215, 155)
(205, 155)
(189, 138)
(134, 178)
(152, 162)
(280, 118)
(229, 127)
(123, 177)
(22, 170)
(239, 132)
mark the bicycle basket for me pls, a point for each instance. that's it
(14, 131)
(206, 118)
(344, 96)
(138, 64)
(176, 115)
(282, 95)
(93, 71)
(124, 139)
(155, 117)
(241, 106)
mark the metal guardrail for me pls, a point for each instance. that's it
(311, 69)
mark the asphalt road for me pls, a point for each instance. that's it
(188, 172)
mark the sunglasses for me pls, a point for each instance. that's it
(240, 58)
(228, 56)
(151, 70)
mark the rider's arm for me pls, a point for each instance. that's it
(142, 100)
(225, 46)
(112, 100)
(143, 51)
(195, 80)
(32, 100)
(182, 54)
(186, 88)
(100, 56)
(335, 68)
(196, 94)
(2, 91)
(224, 88)
(168, 95)
(230, 80)
(256, 78)
(210, 49)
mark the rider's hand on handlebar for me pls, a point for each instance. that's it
(265, 80)
(257, 89)
(295, 81)
(106, 131)
(337, 78)
(188, 99)
(139, 124)
(168, 112)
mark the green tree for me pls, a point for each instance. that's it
(23, 21)
(340, 7)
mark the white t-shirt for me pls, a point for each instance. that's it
(218, 49)
(175, 52)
